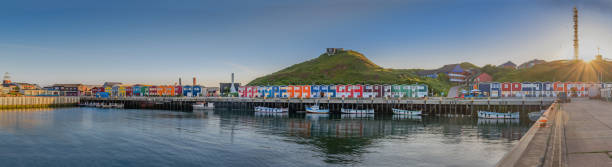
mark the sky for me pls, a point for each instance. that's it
(158, 41)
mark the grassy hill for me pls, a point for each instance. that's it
(561, 70)
(346, 67)
(350, 67)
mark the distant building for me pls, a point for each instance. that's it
(26, 86)
(6, 79)
(224, 88)
(50, 91)
(483, 77)
(598, 57)
(33, 92)
(111, 84)
(509, 65)
(531, 63)
(71, 89)
(4, 90)
(211, 91)
(332, 51)
(455, 73)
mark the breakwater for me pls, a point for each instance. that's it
(37, 102)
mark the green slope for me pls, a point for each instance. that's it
(345, 67)
(561, 70)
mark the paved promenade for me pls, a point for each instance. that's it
(576, 134)
(588, 132)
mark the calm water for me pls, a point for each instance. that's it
(114, 137)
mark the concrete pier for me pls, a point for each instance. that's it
(380, 105)
(36, 102)
(575, 134)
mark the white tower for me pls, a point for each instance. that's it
(232, 88)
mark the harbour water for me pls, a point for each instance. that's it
(131, 137)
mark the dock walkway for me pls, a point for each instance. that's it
(576, 134)
(588, 133)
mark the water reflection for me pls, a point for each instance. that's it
(342, 138)
(246, 138)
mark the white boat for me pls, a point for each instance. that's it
(271, 110)
(271, 114)
(117, 105)
(201, 106)
(534, 116)
(356, 111)
(406, 112)
(406, 117)
(496, 115)
(316, 109)
(106, 106)
(356, 116)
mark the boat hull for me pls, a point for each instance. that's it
(271, 110)
(496, 115)
(316, 110)
(354, 111)
(406, 112)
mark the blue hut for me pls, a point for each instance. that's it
(196, 90)
(187, 91)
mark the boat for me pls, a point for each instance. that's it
(271, 114)
(406, 117)
(106, 106)
(405, 112)
(117, 105)
(315, 109)
(496, 115)
(271, 110)
(201, 106)
(357, 116)
(534, 116)
(356, 111)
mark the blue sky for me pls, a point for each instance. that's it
(157, 41)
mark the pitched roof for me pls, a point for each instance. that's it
(444, 69)
(509, 63)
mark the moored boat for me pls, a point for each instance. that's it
(201, 106)
(117, 105)
(271, 110)
(534, 116)
(496, 115)
(356, 111)
(406, 112)
(316, 109)
(106, 106)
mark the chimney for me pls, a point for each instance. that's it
(194, 81)
(180, 84)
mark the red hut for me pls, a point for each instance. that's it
(178, 90)
(340, 91)
(357, 91)
(348, 90)
(129, 91)
(506, 89)
(517, 88)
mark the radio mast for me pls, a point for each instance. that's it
(575, 33)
